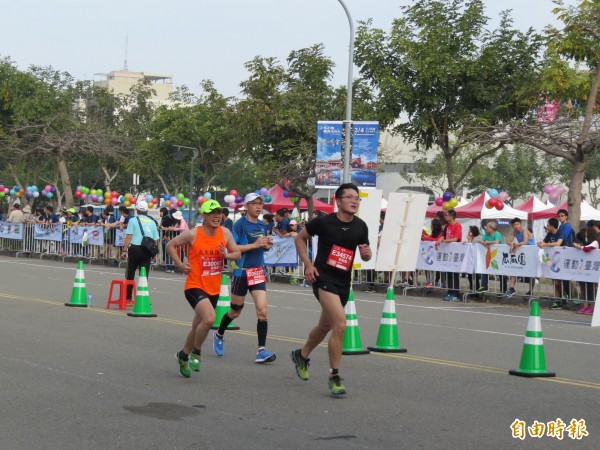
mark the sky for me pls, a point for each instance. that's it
(194, 40)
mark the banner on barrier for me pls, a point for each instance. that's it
(95, 235)
(48, 232)
(10, 230)
(562, 263)
(119, 238)
(283, 253)
(498, 260)
(450, 257)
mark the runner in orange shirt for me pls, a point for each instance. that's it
(209, 245)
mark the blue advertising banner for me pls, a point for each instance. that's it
(329, 154)
(283, 253)
(11, 230)
(86, 235)
(48, 232)
(363, 164)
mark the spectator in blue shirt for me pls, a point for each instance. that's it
(51, 216)
(565, 232)
(89, 218)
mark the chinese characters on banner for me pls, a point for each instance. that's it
(329, 154)
(363, 163)
(557, 263)
(10, 230)
(448, 258)
(329, 160)
(497, 259)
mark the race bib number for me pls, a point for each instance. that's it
(212, 265)
(255, 275)
(340, 257)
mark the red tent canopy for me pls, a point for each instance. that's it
(550, 212)
(532, 206)
(278, 201)
(477, 210)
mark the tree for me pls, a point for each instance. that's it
(443, 70)
(204, 124)
(278, 116)
(518, 170)
(564, 121)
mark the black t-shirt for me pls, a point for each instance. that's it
(333, 232)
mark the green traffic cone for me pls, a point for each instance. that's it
(387, 338)
(352, 344)
(223, 305)
(142, 307)
(79, 294)
(533, 360)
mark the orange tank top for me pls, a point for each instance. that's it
(206, 261)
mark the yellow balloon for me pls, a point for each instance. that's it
(453, 202)
(446, 206)
(167, 203)
(127, 203)
(127, 196)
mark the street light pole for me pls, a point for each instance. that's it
(194, 156)
(348, 121)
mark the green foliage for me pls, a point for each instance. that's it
(518, 170)
(441, 68)
(277, 118)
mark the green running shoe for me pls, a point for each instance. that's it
(301, 364)
(336, 386)
(194, 362)
(184, 368)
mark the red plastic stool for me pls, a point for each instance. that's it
(122, 300)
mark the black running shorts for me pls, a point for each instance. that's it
(239, 286)
(195, 295)
(342, 292)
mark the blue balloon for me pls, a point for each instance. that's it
(207, 195)
(286, 194)
(167, 197)
(493, 193)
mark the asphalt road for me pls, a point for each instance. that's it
(91, 378)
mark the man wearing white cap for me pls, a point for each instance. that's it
(249, 275)
(137, 257)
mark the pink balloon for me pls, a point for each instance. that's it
(233, 192)
(179, 203)
(502, 196)
(439, 201)
(548, 189)
(232, 205)
(554, 197)
(114, 201)
(155, 200)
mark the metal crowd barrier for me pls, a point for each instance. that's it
(95, 243)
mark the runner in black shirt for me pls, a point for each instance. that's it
(339, 236)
